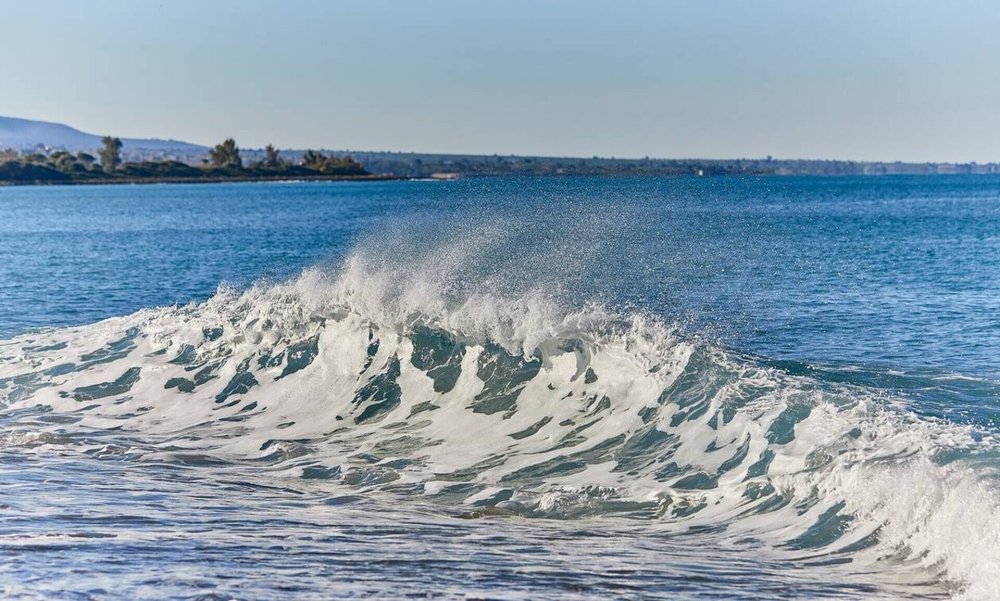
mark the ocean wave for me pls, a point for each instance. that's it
(384, 380)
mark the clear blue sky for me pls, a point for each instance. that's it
(852, 79)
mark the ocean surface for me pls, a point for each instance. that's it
(677, 388)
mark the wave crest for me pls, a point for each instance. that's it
(391, 381)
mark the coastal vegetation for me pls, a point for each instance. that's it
(111, 153)
(222, 163)
(114, 160)
(428, 165)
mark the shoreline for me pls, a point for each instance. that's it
(204, 180)
(134, 181)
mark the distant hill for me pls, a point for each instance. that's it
(23, 134)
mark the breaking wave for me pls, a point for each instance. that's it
(383, 381)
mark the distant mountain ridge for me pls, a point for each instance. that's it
(21, 134)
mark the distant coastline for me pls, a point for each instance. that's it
(223, 163)
(35, 153)
(380, 177)
(204, 180)
(425, 165)
(60, 167)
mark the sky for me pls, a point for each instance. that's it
(909, 80)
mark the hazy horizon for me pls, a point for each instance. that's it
(878, 81)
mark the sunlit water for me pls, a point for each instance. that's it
(502, 388)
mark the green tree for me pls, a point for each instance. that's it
(86, 159)
(110, 153)
(272, 157)
(62, 160)
(313, 160)
(226, 155)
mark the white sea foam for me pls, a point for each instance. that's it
(390, 380)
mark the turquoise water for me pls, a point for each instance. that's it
(561, 387)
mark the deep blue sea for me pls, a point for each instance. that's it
(510, 388)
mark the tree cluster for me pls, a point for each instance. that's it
(110, 153)
(317, 161)
(226, 155)
(223, 162)
(59, 165)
